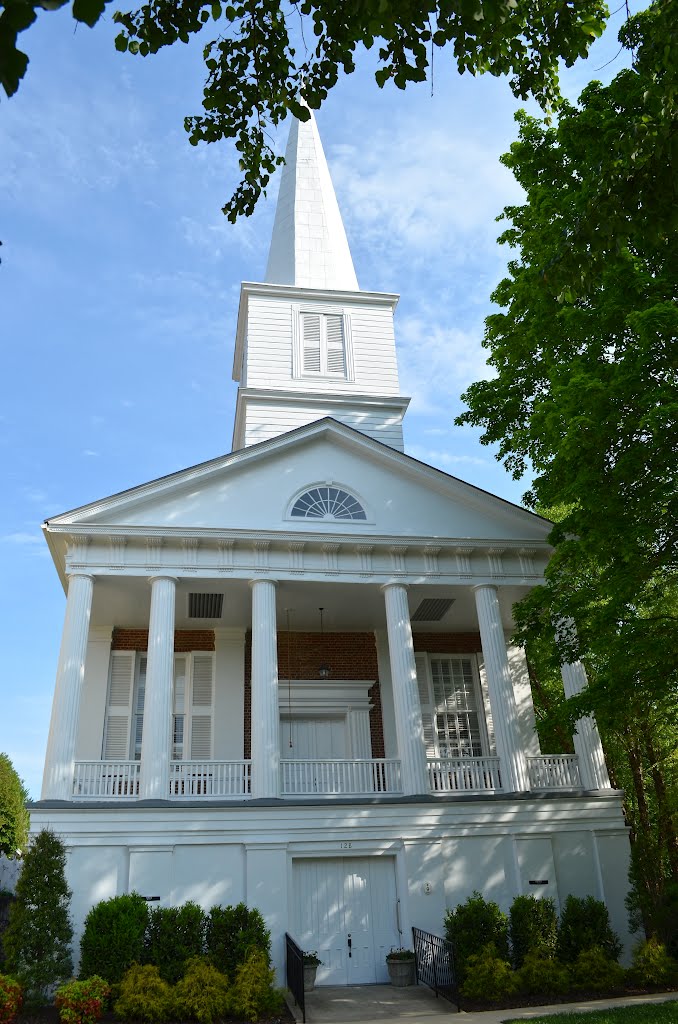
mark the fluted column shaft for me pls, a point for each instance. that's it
(57, 781)
(500, 689)
(265, 713)
(587, 743)
(409, 728)
(157, 731)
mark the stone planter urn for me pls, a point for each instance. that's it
(401, 967)
(311, 965)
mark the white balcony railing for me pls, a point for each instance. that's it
(106, 780)
(340, 778)
(210, 778)
(464, 775)
(554, 771)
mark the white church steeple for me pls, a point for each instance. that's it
(309, 344)
(309, 247)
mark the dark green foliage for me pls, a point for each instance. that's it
(542, 975)
(488, 976)
(253, 994)
(113, 938)
(231, 932)
(6, 900)
(472, 926)
(143, 995)
(533, 925)
(653, 966)
(585, 923)
(14, 818)
(595, 971)
(173, 934)
(202, 994)
(38, 938)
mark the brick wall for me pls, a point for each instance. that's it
(185, 640)
(447, 643)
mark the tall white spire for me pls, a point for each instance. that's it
(309, 248)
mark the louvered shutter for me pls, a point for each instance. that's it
(427, 710)
(486, 706)
(201, 707)
(179, 716)
(311, 342)
(336, 359)
(119, 706)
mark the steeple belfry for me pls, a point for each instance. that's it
(309, 248)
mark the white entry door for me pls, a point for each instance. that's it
(345, 909)
(312, 739)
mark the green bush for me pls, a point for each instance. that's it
(143, 995)
(231, 932)
(82, 1002)
(10, 999)
(203, 994)
(173, 934)
(585, 923)
(488, 976)
(541, 975)
(652, 965)
(253, 994)
(471, 926)
(113, 938)
(595, 971)
(38, 937)
(533, 925)
(14, 818)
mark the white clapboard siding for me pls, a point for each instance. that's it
(264, 422)
(119, 706)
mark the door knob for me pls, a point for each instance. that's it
(350, 944)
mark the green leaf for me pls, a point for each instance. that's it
(88, 11)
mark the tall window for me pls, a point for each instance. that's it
(452, 707)
(323, 345)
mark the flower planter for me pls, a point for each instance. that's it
(402, 972)
(309, 977)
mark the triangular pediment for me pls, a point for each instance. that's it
(253, 489)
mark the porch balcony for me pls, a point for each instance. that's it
(377, 776)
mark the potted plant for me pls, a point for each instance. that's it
(402, 967)
(311, 964)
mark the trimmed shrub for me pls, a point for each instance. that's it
(203, 994)
(14, 818)
(82, 1002)
(533, 926)
(472, 926)
(173, 934)
(652, 965)
(143, 995)
(113, 938)
(585, 923)
(10, 999)
(595, 971)
(231, 932)
(542, 975)
(38, 937)
(488, 976)
(253, 994)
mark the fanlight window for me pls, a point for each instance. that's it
(327, 503)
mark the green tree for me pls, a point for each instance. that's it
(266, 57)
(38, 938)
(14, 818)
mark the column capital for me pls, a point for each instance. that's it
(261, 579)
(394, 583)
(162, 576)
(484, 586)
(80, 576)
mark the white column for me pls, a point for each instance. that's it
(57, 783)
(409, 728)
(265, 727)
(500, 689)
(157, 733)
(587, 745)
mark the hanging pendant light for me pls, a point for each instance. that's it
(324, 668)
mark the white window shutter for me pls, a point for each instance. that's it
(489, 724)
(423, 685)
(119, 706)
(336, 359)
(201, 707)
(311, 342)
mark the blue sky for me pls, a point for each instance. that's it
(120, 278)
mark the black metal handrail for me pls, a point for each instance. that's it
(435, 964)
(294, 973)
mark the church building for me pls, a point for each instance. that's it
(286, 674)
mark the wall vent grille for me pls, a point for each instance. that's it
(432, 609)
(205, 606)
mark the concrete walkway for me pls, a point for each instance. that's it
(365, 1004)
